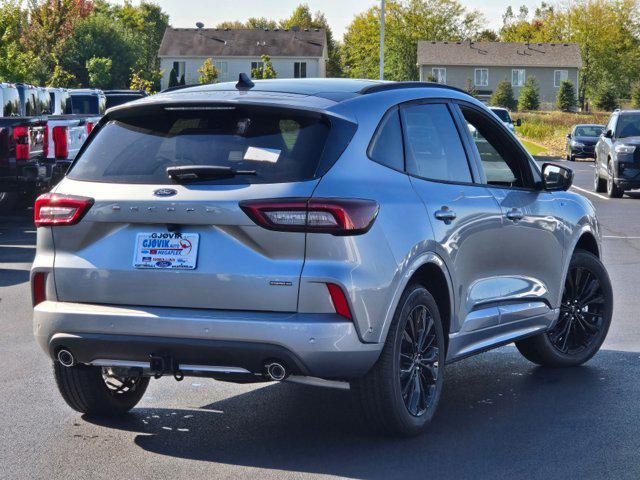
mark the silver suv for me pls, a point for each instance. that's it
(337, 232)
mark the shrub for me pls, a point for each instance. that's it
(606, 98)
(208, 72)
(529, 95)
(99, 70)
(471, 90)
(503, 96)
(566, 100)
(267, 70)
(173, 78)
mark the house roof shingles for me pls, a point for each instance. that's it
(211, 42)
(499, 54)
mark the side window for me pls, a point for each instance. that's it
(433, 148)
(502, 163)
(386, 146)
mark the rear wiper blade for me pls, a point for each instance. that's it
(191, 173)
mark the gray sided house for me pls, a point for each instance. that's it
(484, 64)
(294, 54)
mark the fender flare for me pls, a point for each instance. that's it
(406, 275)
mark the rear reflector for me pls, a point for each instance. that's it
(339, 300)
(53, 209)
(38, 288)
(23, 142)
(61, 142)
(317, 215)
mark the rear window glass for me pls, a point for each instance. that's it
(281, 146)
(10, 102)
(86, 105)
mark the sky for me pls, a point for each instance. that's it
(339, 13)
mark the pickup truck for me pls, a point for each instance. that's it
(119, 97)
(22, 144)
(66, 132)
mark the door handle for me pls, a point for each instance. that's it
(515, 214)
(445, 214)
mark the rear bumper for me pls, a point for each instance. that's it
(318, 345)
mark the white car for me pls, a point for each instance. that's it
(505, 117)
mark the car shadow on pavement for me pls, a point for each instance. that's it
(499, 416)
(10, 277)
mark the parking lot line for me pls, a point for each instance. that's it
(620, 237)
(591, 193)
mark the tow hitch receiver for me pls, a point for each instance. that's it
(161, 365)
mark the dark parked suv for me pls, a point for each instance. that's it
(618, 154)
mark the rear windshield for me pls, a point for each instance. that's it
(503, 115)
(280, 145)
(87, 105)
(115, 100)
(10, 102)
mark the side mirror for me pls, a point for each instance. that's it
(556, 178)
(568, 136)
(608, 134)
(518, 122)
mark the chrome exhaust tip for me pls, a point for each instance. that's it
(276, 371)
(66, 358)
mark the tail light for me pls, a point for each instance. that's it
(23, 142)
(53, 209)
(61, 141)
(317, 215)
(339, 300)
(38, 288)
(90, 126)
(45, 142)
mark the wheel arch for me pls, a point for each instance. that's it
(430, 271)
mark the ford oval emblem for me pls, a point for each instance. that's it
(165, 192)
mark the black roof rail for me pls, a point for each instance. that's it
(383, 87)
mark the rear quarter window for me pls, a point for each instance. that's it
(281, 146)
(387, 145)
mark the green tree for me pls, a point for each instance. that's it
(99, 71)
(503, 96)
(407, 21)
(635, 95)
(62, 78)
(173, 78)
(266, 71)
(606, 97)
(208, 72)
(139, 82)
(182, 81)
(529, 95)
(566, 100)
(17, 64)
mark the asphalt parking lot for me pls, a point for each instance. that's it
(500, 416)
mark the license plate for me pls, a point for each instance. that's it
(166, 251)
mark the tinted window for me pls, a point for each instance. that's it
(85, 104)
(279, 146)
(628, 126)
(10, 102)
(114, 100)
(386, 147)
(588, 131)
(499, 159)
(502, 114)
(432, 145)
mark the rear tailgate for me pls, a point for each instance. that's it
(150, 241)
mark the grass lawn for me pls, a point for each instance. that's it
(533, 148)
(549, 129)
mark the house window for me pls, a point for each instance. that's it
(481, 77)
(223, 70)
(517, 77)
(560, 76)
(440, 74)
(300, 70)
(180, 68)
(256, 65)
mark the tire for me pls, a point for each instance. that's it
(613, 191)
(599, 185)
(85, 390)
(579, 333)
(380, 397)
(8, 202)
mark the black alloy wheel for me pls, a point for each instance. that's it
(581, 313)
(419, 361)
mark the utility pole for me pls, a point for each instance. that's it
(382, 5)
